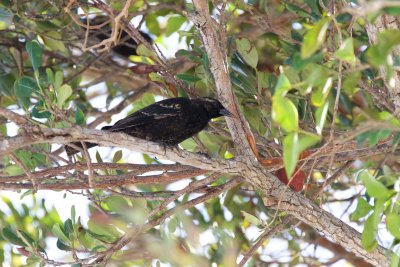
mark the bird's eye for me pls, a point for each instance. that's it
(177, 106)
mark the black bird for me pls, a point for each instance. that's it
(167, 122)
(127, 45)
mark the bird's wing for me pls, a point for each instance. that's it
(167, 108)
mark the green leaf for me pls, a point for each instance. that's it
(68, 227)
(395, 259)
(251, 218)
(63, 93)
(79, 117)
(386, 41)
(117, 156)
(290, 153)
(307, 140)
(319, 96)
(62, 246)
(6, 84)
(98, 157)
(293, 145)
(152, 24)
(368, 239)
(173, 25)
(50, 75)
(282, 86)
(346, 52)
(13, 170)
(52, 40)
(9, 234)
(35, 53)
(320, 117)
(58, 80)
(363, 208)
(73, 214)
(24, 87)
(247, 51)
(188, 78)
(39, 111)
(58, 232)
(374, 187)
(142, 50)
(314, 38)
(284, 113)
(393, 224)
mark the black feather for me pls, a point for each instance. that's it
(167, 122)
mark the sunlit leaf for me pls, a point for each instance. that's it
(374, 187)
(247, 51)
(314, 38)
(346, 52)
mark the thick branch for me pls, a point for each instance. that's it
(295, 204)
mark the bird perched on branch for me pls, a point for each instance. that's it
(126, 47)
(167, 122)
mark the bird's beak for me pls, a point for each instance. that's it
(225, 112)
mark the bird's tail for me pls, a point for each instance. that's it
(71, 150)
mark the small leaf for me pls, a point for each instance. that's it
(374, 187)
(35, 53)
(251, 218)
(320, 117)
(368, 239)
(63, 93)
(79, 117)
(117, 156)
(13, 170)
(282, 86)
(58, 80)
(395, 259)
(62, 246)
(319, 96)
(98, 157)
(58, 232)
(73, 214)
(290, 154)
(284, 113)
(39, 111)
(173, 25)
(9, 234)
(247, 51)
(293, 145)
(68, 227)
(307, 140)
(362, 209)
(152, 24)
(24, 87)
(142, 50)
(393, 224)
(314, 38)
(346, 52)
(387, 40)
(50, 75)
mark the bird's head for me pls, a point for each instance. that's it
(214, 108)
